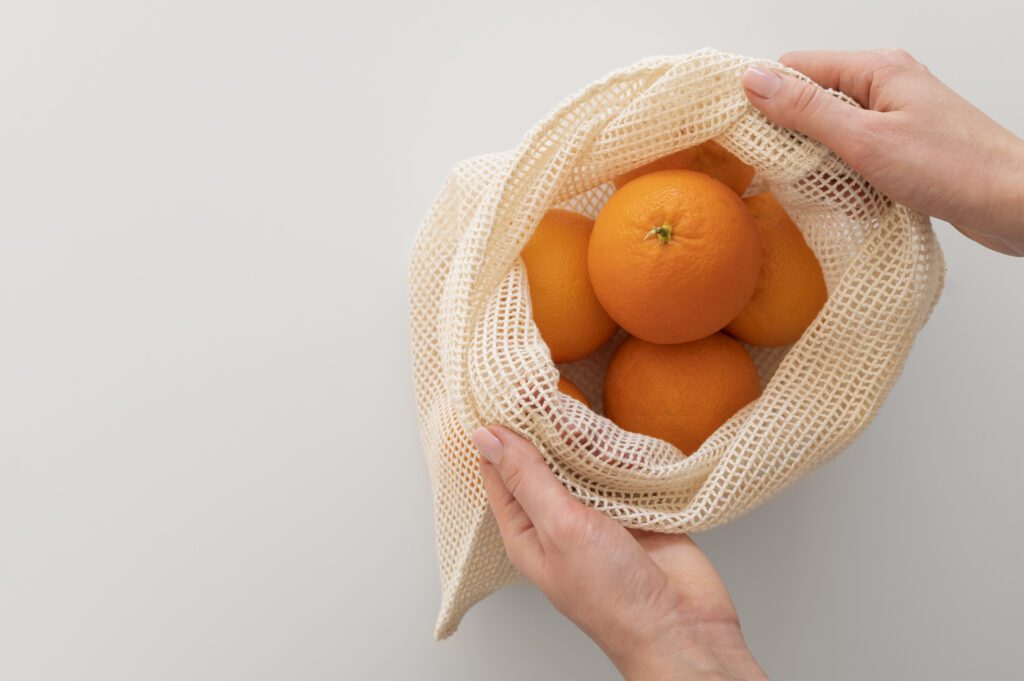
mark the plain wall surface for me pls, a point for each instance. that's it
(209, 461)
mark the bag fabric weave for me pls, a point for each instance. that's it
(479, 359)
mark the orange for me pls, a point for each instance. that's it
(565, 308)
(571, 389)
(680, 160)
(674, 256)
(679, 393)
(791, 289)
(723, 166)
(709, 158)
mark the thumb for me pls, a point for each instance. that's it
(807, 108)
(524, 475)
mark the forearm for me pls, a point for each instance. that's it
(713, 652)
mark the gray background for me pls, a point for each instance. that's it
(209, 466)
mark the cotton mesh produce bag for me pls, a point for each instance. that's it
(479, 358)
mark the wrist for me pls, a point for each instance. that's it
(704, 651)
(1016, 191)
(1005, 215)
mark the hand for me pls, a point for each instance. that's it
(652, 602)
(915, 140)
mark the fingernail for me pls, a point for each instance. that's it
(762, 82)
(488, 445)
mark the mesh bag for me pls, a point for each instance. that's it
(479, 358)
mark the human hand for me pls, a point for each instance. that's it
(652, 602)
(915, 140)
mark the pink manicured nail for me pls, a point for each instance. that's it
(488, 445)
(761, 82)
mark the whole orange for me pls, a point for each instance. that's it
(679, 393)
(572, 390)
(565, 308)
(791, 289)
(709, 158)
(674, 256)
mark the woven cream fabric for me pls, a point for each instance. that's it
(480, 360)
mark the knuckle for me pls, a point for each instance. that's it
(877, 59)
(522, 470)
(515, 477)
(888, 72)
(897, 62)
(902, 56)
(896, 55)
(807, 99)
(505, 506)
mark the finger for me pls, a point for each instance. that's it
(992, 242)
(852, 73)
(517, 531)
(807, 108)
(525, 475)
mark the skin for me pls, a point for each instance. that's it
(654, 603)
(915, 140)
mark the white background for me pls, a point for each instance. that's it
(209, 464)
